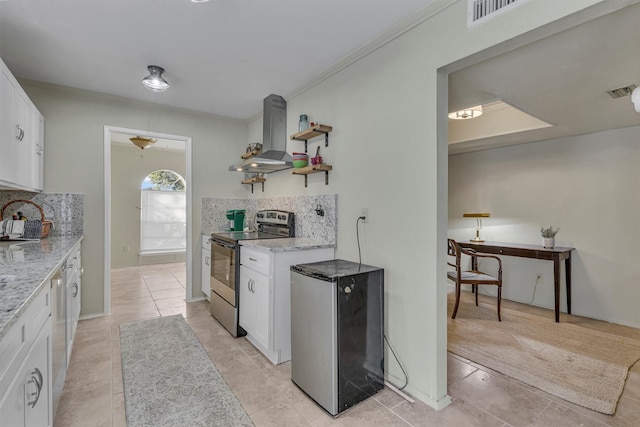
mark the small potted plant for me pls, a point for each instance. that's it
(548, 236)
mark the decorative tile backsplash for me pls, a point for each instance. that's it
(66, 210)
(308, 222)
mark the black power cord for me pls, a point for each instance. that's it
(404, 372)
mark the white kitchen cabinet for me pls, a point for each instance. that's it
(74, 289)
(37, 148)
(21, 136)
(25, 362)
(206, 266)
(265, 296)
(254, 307)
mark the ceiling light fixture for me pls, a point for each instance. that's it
(142, 142)
(467, 113)
(154, 80)
(635, 99)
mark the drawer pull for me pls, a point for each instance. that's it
(253, 259)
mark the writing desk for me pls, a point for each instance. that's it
(556, 255)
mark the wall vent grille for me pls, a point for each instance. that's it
(480, 10)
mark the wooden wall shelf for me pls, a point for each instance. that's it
(255, 180)
(311, 133)
(250, 154)
(313, 169)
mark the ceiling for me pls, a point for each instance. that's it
(561, 80)
(224, 56)
(221, 57)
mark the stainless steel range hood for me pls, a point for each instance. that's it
(274, 155)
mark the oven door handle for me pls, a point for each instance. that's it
(222, 244)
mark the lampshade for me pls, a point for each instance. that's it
(476, 215)
(154, 81)
(467, 113)
(635, 99)
(142, 142)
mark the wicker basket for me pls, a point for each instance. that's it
(46, 224)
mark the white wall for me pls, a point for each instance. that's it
(387, 157)
(586, 185)
(74, 161)
(129, 167)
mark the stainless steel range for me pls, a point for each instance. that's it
(225, 263)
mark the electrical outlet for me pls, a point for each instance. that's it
(365, 214)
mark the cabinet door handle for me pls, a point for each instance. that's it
(253, 259)
(249, 285)
(36, 378)
(75, 290)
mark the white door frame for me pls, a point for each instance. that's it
(108, 130)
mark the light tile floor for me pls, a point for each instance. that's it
(93, 393)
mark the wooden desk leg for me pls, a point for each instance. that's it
(567, 272)
(556, 283)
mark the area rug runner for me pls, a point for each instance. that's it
(580, 365)
(169, 380)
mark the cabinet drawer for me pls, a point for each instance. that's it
(18, 340)
(255, 260)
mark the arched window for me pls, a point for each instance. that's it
(163, 214)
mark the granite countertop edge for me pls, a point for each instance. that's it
(41, 259)
(287, 244)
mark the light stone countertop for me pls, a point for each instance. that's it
(287, 244)
(33, 263)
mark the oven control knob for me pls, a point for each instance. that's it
(347, 290)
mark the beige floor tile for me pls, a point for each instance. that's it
(506, 399)
(170, 302)
(458, 413)
(168, 293)
(558, 415)
(118, 409)
(281, 415)
(457, 370)
(172, 284)
(187, 310)
(388, 398)
(154, 280)
(90, 410)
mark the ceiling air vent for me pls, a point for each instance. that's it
(481, 10)
(621, 91)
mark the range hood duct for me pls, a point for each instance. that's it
(274, 156)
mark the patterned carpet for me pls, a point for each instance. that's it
(169, 380)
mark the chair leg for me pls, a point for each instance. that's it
(499, 300)
(475, 288)
(455, 307)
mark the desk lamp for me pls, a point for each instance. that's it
(478, 217)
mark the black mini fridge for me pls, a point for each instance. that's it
(337, 332)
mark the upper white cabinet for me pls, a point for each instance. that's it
(21, 137)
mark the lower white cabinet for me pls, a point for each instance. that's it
(254, 307)
(206, 266)
(265, 296)
(25, 353)
(74, 289)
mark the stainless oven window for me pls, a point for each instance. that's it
(223, 271)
